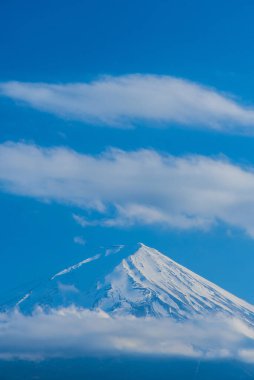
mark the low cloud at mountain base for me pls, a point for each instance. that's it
(72, 332)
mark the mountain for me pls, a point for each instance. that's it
(150, 283)
(141, 283)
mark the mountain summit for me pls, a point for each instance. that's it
(144, 283)
(149, 283)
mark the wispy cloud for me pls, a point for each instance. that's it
(141, 187)
(82, 221)
(72, 332)
(126, 100)
(79, 240)
(67, 288)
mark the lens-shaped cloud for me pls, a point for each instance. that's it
(129, 188)
(133, 99)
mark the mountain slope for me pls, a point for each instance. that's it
(149, 283)
(144, 283)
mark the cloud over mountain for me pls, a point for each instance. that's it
(140, 187)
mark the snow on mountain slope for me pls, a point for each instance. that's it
(149, 283)
(144, 283)
(75, 266)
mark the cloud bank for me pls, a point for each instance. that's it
(72, 332)
(140, 187)
(127, 100)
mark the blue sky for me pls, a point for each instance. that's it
(206, 44)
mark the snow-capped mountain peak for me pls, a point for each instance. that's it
(150, 283)
(142, 283)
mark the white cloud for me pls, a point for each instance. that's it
(125, 100)
(73, 332)
(114, 249)
(141, 187)
(79, 240)
(67, 288)
(247, 355)
(82, 221)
